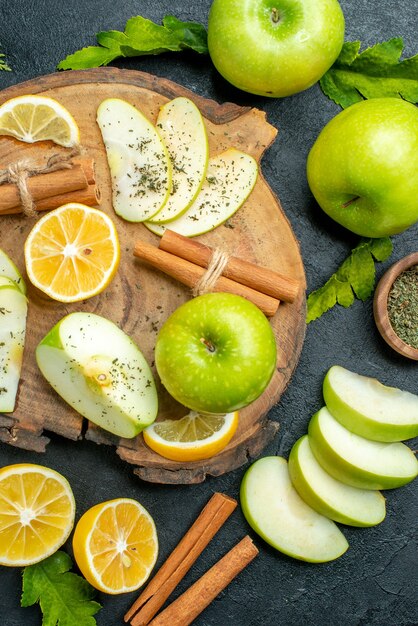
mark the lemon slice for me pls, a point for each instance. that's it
(116, 546)
(38, 118)
(72, 253)
(194, 437)
(37, 511)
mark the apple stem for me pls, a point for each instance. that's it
(208, 344)
(346, 204)
(275, 15)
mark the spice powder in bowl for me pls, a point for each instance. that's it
(402, 306)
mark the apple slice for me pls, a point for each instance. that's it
(368, 408)
(9, 269)
(332, 498)
(13, 312)
(229, 181)
(138, 160)
(273, 508)
(95, 367)
(183, 131)
(357, 461)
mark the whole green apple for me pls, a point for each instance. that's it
(274, 47)
(363, 168)
(216, 353)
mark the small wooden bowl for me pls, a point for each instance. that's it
(380, 307)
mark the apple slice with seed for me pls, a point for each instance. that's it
(273, 508)
(95, 367)
(138, 160)
(13, 312)
(183, 131)
(368, 408)
(230, 178)
(9, 269)
(330, 497)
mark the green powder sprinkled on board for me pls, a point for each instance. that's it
(403, 306)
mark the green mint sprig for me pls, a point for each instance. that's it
(140, 37)
(354, 279)
(377, 72)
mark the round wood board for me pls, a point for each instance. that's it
(140, 299)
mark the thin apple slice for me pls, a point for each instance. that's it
(95, 367)
(276, 512)
(368, 408)
(9, 269)
(183, 131)
(13, 312)
(332, 498)
(230, 178)
(138, 160)
(357, 461)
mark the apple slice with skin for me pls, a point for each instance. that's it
(13, 312)
(332, 498)
(9, 269)
(183, 131)
(230, 178)
(368, 408)
(273, 508)
(357, 461)
(139, 163)
(95, 367)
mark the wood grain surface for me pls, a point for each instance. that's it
(140, 299)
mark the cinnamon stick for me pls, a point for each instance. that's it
(188, 273)
(90, 196)
(43, 186)
(210, 520)
(192, 602)
(260, 278)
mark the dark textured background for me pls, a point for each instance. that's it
(375, 582)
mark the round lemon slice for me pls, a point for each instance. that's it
(194, 437)
(37, 511)
(72, 253)
(116, 546)
(38, 118)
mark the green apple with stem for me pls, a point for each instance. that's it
(274, 47)
(367, 408)
(330, 497)
(216, 353)
(95, 367)
(357, 461)
(363, 167)
(274, 509)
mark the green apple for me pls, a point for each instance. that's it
(230, 179)
(366, 407)
(13, 312)
(330, 497)
(183, 131)
(216, 353)
(139, 163)
(274, 47)
(363, 168)
(9, 269)
(95, 367)
(357, 461)
(273, 508)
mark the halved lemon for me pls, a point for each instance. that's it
(194, 437)
(116, 546)
(37, 511)
(38, 118)
(72, 253)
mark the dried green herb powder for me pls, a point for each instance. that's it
(403, 306)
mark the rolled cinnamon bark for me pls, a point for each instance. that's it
(90, 196)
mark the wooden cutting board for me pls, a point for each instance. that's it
(140, 299)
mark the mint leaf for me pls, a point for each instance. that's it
(140, 37)
(354, 279)
(377, 72)
(3, 64)
(65, 598)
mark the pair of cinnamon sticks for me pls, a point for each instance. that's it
(186, 260)
(193, 601)
(54, 189)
